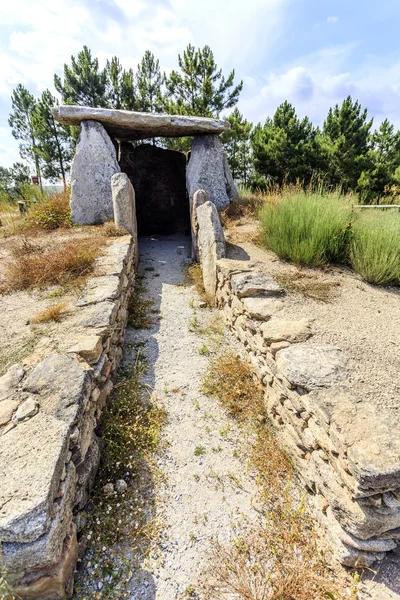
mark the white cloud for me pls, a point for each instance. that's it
(321, 80)
(332, 20)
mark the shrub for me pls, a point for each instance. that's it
(307, 228)
(50, 212)
(375, 247)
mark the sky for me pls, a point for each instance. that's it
(311, 52)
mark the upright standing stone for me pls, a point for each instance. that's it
(208, 170)
(211, 244)
(94, 163)
(199, 198)
(123, 197)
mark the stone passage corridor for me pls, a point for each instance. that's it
(206, 491)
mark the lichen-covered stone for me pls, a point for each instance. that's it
(284, 330)
(32, 459)
(47, 549)
(56, 582)
(123, 197)
(130, 125)
(262, 308)
(99, 289)
(255, 284)
(61, 383)
(208, 170)
(211, 244)
(88, 347)
(312, 366)
(94, 163)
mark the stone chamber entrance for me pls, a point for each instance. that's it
(158, 177)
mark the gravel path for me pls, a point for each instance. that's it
(206, 490)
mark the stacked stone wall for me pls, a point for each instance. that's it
(347, 451)
(49, 448)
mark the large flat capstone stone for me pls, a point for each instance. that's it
(129, 125)
(94, 163)
(32, 458)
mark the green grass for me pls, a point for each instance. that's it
(307, 229)
(317, 228)
(375, 247)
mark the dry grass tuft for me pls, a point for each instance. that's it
(53, 313)
(109, 229)
(139, 315)
(307, 285)
(279, 559)
(194, 276)
(26, 246)
(230, 380)
(58, 265)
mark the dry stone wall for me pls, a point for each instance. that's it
(346, 451)
(49, 449)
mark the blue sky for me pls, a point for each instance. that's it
(311, 52)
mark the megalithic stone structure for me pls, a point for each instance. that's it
(94, 164)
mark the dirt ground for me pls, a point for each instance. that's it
(20, 340)
(361, 319)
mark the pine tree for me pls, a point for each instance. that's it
(22, 126)
(120, 85)
(286, 148)
(84, 82)
(14, 180)
(237, 146)
(346, 140)
(54, 141)
(200, 88)
(384, 159)
(149, 81)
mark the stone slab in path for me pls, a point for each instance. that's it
(128, 125)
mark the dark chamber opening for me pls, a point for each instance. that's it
(159, 180)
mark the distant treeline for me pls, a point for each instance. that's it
(346, 152)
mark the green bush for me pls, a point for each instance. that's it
(50, 212)
(307, 228)
(375, 247)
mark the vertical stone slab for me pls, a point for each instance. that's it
(208, 170)
(94, 163)
(199, 198)
(211, 244)
(124, 205)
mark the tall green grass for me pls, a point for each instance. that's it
(375, 247)
(311, 228)
(307, 228)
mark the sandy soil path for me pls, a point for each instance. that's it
(206, 491)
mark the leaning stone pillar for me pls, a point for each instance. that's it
(94, 163)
